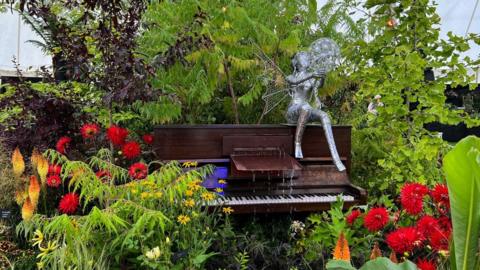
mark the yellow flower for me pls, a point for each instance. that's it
(27, 209)
(193, 186)
(34, 190)
(208, 196)
(219, 190)
(183, 219)
(167, 240)
(134, 191)
(189, 203)
(158, 194)
(40, 265)
(20, 196)
(189, 193)
(51, 246)
(153, 254)
(34, 158)
(188, 164)
(18, 163)
(227, 210)
(144, 195)
(221, 181)
(37, 238)
(42, 168)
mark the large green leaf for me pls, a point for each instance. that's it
(383, 263)
(339, 265)
(462, 169)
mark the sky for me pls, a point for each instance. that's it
(455, 16)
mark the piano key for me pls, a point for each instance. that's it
(281, 199)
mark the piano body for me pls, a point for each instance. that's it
(263, 176)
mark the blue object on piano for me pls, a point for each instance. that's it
(211, 181)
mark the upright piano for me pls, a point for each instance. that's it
(263, 175)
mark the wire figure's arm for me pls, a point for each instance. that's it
(295, 80)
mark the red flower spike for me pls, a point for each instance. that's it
(440, 195)
(131, 150)
(411, 197)
(376, 219)
(403, 240)
(54, 169)
(69, 203)
(54, 181)
(353, 216)
(103, 175)
(147, 139)
(89, 130)
(426, 225)
(439, 240)
(424, 264)
(138, 170)
(63, 144)
(117, 135)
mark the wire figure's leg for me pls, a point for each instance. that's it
(303, 117)
(327, 127)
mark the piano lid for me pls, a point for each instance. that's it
(255, 162)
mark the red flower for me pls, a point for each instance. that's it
(445, 223)
(439, 240)
(376, 219)
(69, 203)
(138, 170)
(117, 135)
(424, 264)
(411, 197)
(427, 225)
(147, 138)
(54, 169)
(440, 195)
(403, 240)
(103, 175)
(62, 144)
(54, 181)
(131, 150)
(89, 130)
(353, 216)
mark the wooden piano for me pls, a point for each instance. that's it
(263, 176)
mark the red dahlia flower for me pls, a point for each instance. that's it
(69, 203)
(353, 216)
(89, 130)
(138, 170)
(426, 225)
(376, 219)
(54, 181)
(424, 264)
(62, 144)
(411, 197)
(131, 150)
(439, 240)
(117, 135)
(403, 240)
(445, 223)
(440, 195)
(147, 138)
(54, 169)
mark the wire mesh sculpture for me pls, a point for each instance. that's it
(310, 69)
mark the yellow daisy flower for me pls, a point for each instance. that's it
(189, 193)
(189, 203)
(227, 210)
(219, 190)
(221, 181)
(208, 196)
(183, 219)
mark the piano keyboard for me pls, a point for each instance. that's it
(279, 199)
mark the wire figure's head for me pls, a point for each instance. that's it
(301, 61)
(325, 54)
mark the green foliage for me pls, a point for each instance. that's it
(462, 169)
(394, 146)
(209, 51)
(132, 217)
(380, 263)
(8, 185)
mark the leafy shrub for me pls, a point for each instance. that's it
(7, 183)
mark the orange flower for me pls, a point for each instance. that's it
(27, 210)
(18, 163)
(34, 158)
(42, 168)
(341, 251)
(20, 196)
(34, 190)
(376, 252)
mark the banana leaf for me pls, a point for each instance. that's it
(462, 169)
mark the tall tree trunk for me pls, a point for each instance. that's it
(232, 92)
